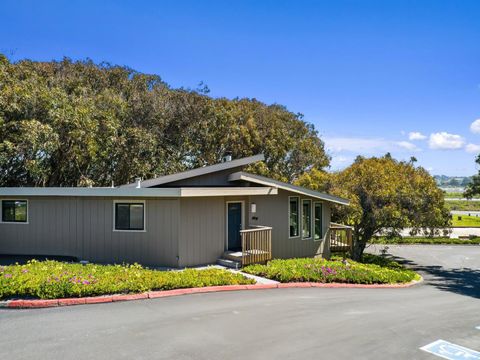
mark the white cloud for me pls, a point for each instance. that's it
(407, 145)
(475, 127)
(472, 148)
(445, 141)
(415, 135)
(369, 146)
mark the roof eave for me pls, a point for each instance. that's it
(296, 189)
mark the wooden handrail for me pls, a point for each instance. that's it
(256, 228)
(256, 245)
(341, 239)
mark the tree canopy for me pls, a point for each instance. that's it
(386, 196)
(77, 123)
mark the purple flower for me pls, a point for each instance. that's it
(85, 282)
(24, 271)
(8, 276)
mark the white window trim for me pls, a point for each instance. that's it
(226, 218)
(14, 222)
(130, 202)
(311, 218)
(322, 219)
(299, 217)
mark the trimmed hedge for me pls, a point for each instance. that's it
(374, 270)
(54, 279)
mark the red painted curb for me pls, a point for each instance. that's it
(18, 304)
(129, 297)
(71, 301)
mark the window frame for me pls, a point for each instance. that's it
(311, 222)
(298, 217)
(315, 203)
(143, 202)
(14, 222)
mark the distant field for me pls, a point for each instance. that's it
(463, 205)
(465, 221)
(457, 195)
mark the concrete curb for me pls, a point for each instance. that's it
(39, 303)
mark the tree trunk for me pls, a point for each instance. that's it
(358, 248)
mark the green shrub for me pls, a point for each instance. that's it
(424, 240)
(374, 270)
(53, 279)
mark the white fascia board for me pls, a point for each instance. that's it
(136, 192)
(228, 191)
(94, 192)
(284, 186)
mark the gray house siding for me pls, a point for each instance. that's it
(83, 228)
(273, 211)
(202, 237)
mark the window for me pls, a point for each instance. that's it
(318, 235)
(306, 219)
(14, 211)
(293, 216)
(130, 216)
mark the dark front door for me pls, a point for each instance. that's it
(234, 211)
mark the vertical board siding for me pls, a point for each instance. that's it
(83, 228)
(273, 211)
(202, 230)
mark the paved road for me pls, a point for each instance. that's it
(270, 324)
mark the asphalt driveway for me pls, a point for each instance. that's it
(271, 324)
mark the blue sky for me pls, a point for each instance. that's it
(368, 74)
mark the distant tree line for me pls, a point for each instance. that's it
(77, 123)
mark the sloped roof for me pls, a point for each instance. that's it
(134, 192)
(198, 171)
(261, 180)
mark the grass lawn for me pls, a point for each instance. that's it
(54, 279)
(372, 270)
(463, 205)
(465, 221)
(457, 195)
(424, 240)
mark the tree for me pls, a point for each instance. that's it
(386, 196)
(473, 188)
(77, 123)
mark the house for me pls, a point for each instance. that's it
(190, 218)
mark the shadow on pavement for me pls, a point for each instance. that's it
(464, 281)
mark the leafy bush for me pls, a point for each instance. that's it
(375, 270)
(424, 240)
(53, 279)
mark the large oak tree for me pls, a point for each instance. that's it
(79, 123)
(386, 196)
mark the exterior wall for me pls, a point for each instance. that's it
(202, 237)
(273, 211)
(83, 228)
(179, 232)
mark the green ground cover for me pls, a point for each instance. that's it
(54, 279)
(424, 240)
(372, 270)
(465, 221)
